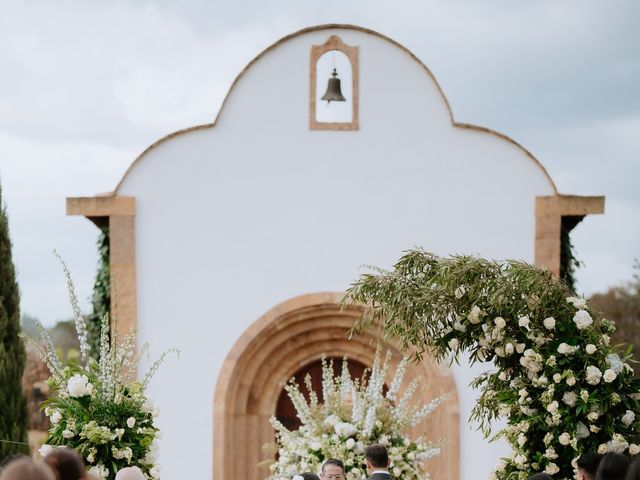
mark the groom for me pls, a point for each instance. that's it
(377, 461)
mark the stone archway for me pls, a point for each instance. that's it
(289, 336)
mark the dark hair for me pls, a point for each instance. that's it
(589, 462)
(613, 466)
(333, 461)
(310, 476)
(634, 470)
(540, 476)
(65, 463)
(377, 455)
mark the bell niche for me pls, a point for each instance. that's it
(334, 85)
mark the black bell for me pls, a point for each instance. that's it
(334, 93)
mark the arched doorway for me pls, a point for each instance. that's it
(289, 337)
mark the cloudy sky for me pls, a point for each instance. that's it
(86, 86)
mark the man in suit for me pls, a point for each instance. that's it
(377, 461)
(332, 469)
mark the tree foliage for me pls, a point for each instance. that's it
(101, 298)
(13, 418)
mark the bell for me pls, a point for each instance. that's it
(334, 93)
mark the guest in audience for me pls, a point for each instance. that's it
(26, 469)
(130, 473)
(377, 461)
(332, 469)
(304, 476)
(613, 466)
(65, 463)
(587, 466)
(634, 470)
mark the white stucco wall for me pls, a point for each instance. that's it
(234, 219)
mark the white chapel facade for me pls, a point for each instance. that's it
(233, 241)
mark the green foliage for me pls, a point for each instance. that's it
(14, 417)
(569, 263)
(101, 298)
(557, 380)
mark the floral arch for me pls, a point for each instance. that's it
(288, 337)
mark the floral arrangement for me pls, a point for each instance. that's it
(352, 415)
(99, 410)
(563, 388)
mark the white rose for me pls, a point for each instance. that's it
(591, 349)
(131, 422)
(552, 407)
(45, 450)
(552, 469)
(453, 344)
(524, 322)
(564, 438)
(345, 429)
(579, 303)
(79, 386)
(500, 323)
(602, 449)
(634, 449)
(508, 348)
(474, 315)
(519, 459)
(609, 375)
(66, 433)
(563, 348)
(571, 381)
(628, 417)
(557, 377)
(582, 319)
(593, 375)
(350, 443)
(549, 323)
(56, 417)
(593, 416)
(569, 398)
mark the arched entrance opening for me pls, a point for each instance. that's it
(286, 340)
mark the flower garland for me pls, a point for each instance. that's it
(561, 385)
(100, 410)
(352, 415)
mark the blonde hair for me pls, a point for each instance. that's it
(26, 468)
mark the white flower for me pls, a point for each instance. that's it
(522, 439)
(345, 429)
(45, 450)
(549, 323)
(396, 472)
(66, 433)
(99, 471)
(628, 417)
(350, 443)
(557, 377)
(155, 472)
(552, 469)
(524, 322)
(474, 315)
(609, 375)
(579, 303)
(569, 398)
(581, 430)
(79, 386)
(614, 362)
(571, 380)
(520, 347)
(552, 407)
(508, 349)
(593, 416)
(56, 417)
(453, 344)
(591, 349)
(564, 438)
(582, 319)
(602, 449)
(500, 323)
(131, 421)
(519, 459)
(634, 449)
(460, 291)
(500, 351)
(593, 375)
(332, 420)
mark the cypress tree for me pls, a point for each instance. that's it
(13, 405)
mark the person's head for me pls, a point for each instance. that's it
(634, 470)
(23, 468)
(305, 476)
(332, 469)
(587, 466)
(613, 466)
(65, 463)
(376, 457)
(540, 476)
(130, 473)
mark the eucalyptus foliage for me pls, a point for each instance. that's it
(562, 387)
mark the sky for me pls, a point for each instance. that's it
(87, 86)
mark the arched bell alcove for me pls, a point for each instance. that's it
(285, 339)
